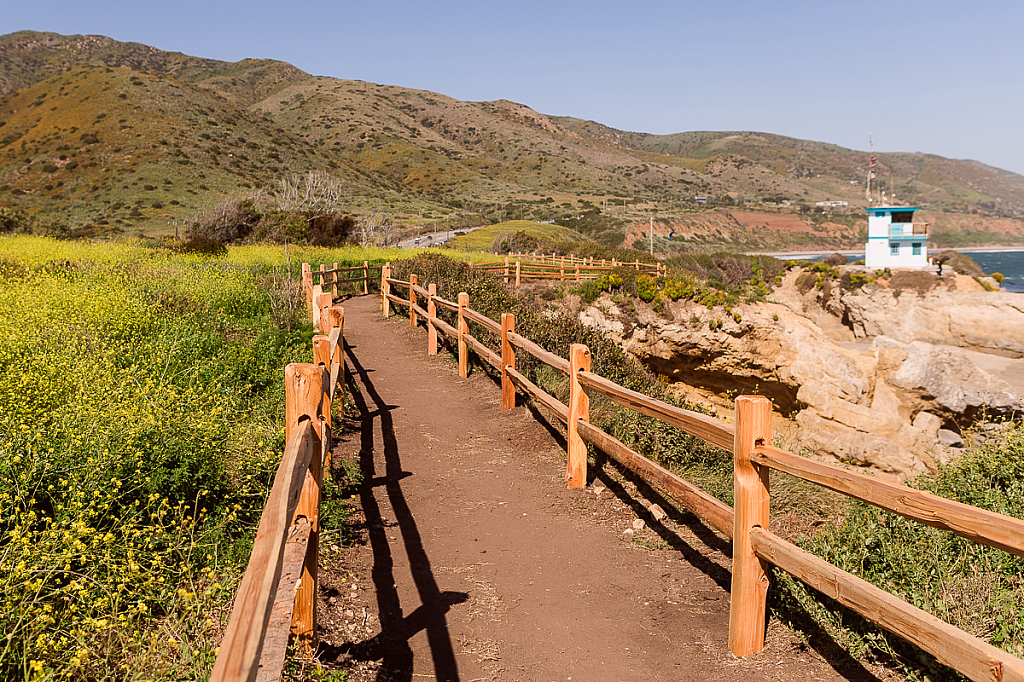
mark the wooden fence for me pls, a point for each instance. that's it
(747, 525)
(332, 279)
(276, 600)
(514, 268)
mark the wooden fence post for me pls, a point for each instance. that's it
(751, 501)
(323, 276)
(508, 359)
(314, 307)
(577, 272)
(518, 280)
(322, 358)
(506, 269)
(413, 281)
(385, 289)
(431, 314)
(561, 272)
(337, 317)
(579, 408)
(366, 276)
(463, 330)
(323, 304)
(307, 288)
(304, 394)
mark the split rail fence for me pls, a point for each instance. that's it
(755, 547)
(276, 600)
(515, 268)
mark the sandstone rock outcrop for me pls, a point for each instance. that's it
(880, 404)
(986, 321)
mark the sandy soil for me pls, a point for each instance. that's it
(473, 562)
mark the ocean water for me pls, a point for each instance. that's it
(1009, 263)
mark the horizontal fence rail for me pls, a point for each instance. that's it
(275, 605)
(746, 524)
(516, 268)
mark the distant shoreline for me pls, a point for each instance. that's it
(797, 255)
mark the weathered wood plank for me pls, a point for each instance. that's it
(398, 282)
(953, 647)
(336, 368)
(242, 645)
(540, 395)
(421, 311)
(488, 355)
(713, 512)
(413, 278)
(275, 642)
(306, 400)
(421, 291)
(749, 592)
(985, 527)
(508, 359)
(579, 410)
(431, 316)
(463, 332)
(550, 359)
(395, 299)
(484, 321)
(707, 428)
(446, 328)
(446, 303)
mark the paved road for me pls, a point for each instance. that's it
(432, 239)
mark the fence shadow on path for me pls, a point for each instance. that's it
(391, 646)
(818, 639)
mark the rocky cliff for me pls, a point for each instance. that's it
(876, 377)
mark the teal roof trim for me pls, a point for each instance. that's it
(892, 209)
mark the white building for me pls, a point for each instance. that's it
(894, 239)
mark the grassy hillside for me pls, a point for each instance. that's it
(88, 123)
(27, 57)
(120, 149)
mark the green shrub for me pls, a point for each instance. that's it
(646, 287)
(976, 588)
(203, 246)
(590, 290)
(13, 220)
(998, 276)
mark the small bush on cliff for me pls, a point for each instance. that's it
(960, 263)
(589, 291)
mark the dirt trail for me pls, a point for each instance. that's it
(475, 563)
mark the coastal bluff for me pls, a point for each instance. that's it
(876, 376)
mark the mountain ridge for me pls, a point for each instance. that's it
(417, 155)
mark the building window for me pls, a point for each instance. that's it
(894, 248)
(917, 248)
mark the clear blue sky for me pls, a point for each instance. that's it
(938, 77)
